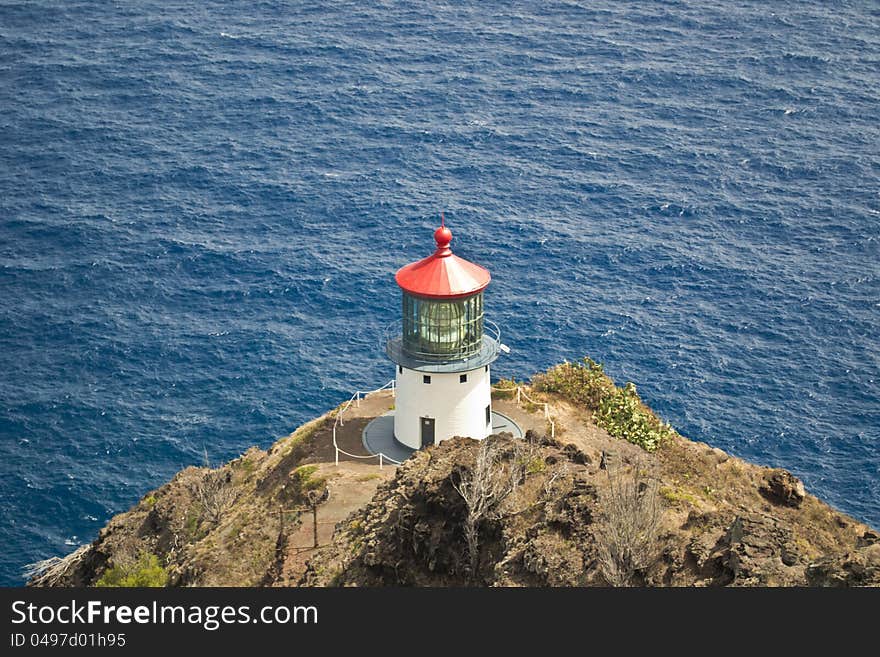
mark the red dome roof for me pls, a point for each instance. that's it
(442, 275)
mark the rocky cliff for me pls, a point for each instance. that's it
(584, 508)
(753, 527)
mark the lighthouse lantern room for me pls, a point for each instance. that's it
(443, 347)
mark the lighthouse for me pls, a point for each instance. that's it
(442, 347)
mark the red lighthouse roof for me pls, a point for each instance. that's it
(442, 275)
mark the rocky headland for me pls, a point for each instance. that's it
(613, 497)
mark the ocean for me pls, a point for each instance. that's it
(203, 204)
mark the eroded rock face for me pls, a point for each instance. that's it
(412, 532)
(782, 487)
(752, 550)
(858, 568)
(206, 527)
(757, 550)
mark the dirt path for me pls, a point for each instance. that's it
(351, 486)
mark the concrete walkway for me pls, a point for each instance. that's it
(369, 427)
(378, 438)
(501, 423)
(378, 435)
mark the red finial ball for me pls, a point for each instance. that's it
(443, 236)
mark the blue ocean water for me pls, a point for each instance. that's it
(202, 205)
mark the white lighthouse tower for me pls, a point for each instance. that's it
(442, 347)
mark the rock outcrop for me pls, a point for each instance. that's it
(782, 487)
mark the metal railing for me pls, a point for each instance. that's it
(392, 342)
(520, 394)
(359, 394)
(340, 422)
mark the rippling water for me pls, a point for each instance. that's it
(202, 205)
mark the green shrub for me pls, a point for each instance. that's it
(535, 465)
(620, 411)
(677, 496)
(583, 383)
(622, 414)
(192, 521)
(146, 571)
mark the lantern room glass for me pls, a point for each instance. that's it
(442, 329)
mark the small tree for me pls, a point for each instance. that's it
(484, 488)
(146, 571)
(627, 537)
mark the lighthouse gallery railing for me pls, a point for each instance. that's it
(392, 342)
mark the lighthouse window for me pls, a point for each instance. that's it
(489, 414)
(400, 369)
(462, 378)
(442, 326)
(426, 378)
(436, 329)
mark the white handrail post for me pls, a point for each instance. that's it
(518, 395)
(337, 456)
(380, 460)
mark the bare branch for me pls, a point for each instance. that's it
(627, 537)
(216, 495)
(52, 571)
(484, 488)
(560, 471)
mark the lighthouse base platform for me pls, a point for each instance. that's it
(378, 435)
